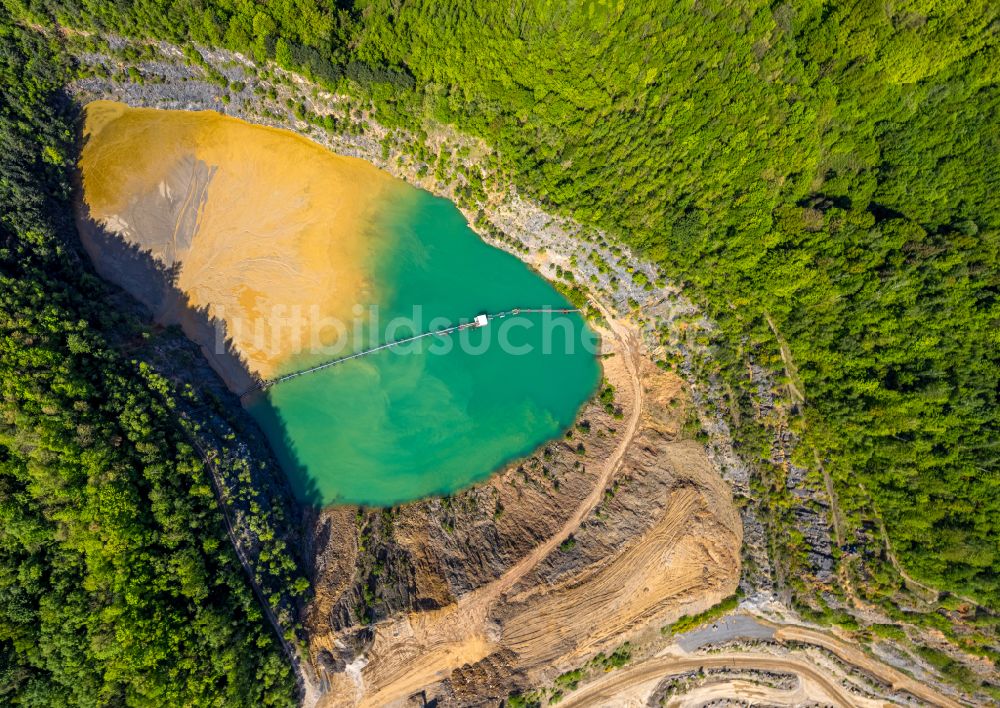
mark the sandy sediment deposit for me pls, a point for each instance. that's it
(204, 217)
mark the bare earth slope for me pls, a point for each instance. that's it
(593, 549)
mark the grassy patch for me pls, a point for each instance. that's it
(689, 622)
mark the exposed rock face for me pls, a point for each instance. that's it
(488, 681)
(813, 526)
(811, 512)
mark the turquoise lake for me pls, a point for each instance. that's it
(433, 416)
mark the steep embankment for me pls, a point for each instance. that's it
(645, 534)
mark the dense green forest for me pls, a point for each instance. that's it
(832, 166)
(118, 584)
(823, 172)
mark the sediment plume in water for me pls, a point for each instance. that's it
(264, 230)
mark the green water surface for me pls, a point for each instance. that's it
(419, 420)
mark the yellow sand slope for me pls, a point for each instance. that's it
(267, 231)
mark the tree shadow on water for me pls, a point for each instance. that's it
(269, 418)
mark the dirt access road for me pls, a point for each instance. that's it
(633, 684)
(615, 687)
(855, 657)
(413, 651)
